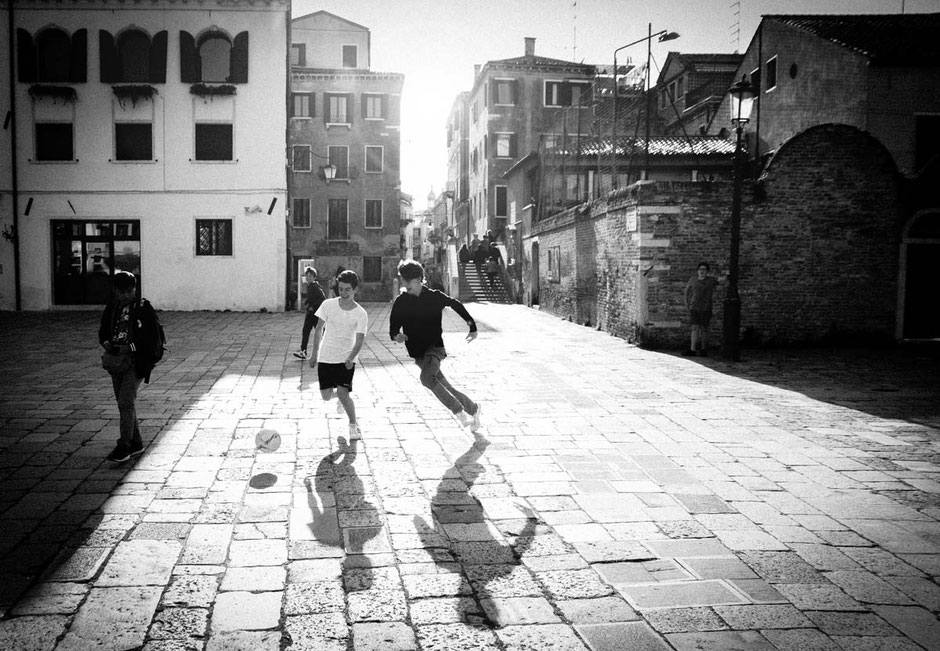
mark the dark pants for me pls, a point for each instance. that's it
(310, 322)
(125, 390)
(433, 379)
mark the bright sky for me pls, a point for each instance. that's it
(435, 44)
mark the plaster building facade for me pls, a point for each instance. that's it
(345, 154)
(134, 144)
(513, 106)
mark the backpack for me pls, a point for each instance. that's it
(161, 341)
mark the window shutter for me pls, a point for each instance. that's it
(158, 58)
(78, 57)
(512, 145)
(327, 109)
(364, 102)
(25, 56)
(514, 89)
(313, 105)
(565, 94)
(107, 56)
(493, 92)
(190, 66)
(385, 107)
(239, 60)
(349, 107)
(492, 144)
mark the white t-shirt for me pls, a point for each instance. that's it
(339, 336)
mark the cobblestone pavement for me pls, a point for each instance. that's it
(617, 498)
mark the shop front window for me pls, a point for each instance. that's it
(85, 256)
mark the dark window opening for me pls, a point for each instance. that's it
(371, 269)
(134, 56)
(133, 141)
(337, 220)
(373, 213)
(54, 141)
(301, 213)
(350, 56)
(213, 237)
(214, 142)
(53, 47)
(86, 254)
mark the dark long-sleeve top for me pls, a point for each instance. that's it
(314, 296)
(143, 333)
(420, 319)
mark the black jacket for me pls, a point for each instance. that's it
(419, 317)
(144, 334)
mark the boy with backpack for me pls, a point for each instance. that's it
(133, 343)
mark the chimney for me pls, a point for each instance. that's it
(530, 46)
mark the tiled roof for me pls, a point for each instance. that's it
(659, 146)
(886, 39)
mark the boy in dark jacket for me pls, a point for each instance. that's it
(313, 297)
(416, 321)
(130, 337)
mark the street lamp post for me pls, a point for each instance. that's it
(662, 36)
(742, 95)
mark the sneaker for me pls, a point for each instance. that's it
(302, 354)
(136, 448)
(689, 353)
(354, 432)
(465, 419)
(120, 453)
(475, 425)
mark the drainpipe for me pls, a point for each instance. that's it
(13, 169)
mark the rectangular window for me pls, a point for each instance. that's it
(337, 109)
(553, 93)
(579, 93)
(54, 141)
(502, 201)
(213, 237)
(374, 158)
(373, 213)
(214, 141)
(554, 264)
(133, 141)
(350, 56)
(504, 145)
(505, 91)
(302, 105)
(926, 139)
(298, 54)
(300, 158)
(337, 220)
(373, 106)
(339, 158)
(771, 68)
(300, 215)
(755, 78)
(371, 269)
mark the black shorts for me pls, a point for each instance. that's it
(335, 375)
(701, 317)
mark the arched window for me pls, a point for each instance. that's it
(53, 47)
(215, 57)
(133, 48)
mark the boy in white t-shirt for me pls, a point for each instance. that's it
(336, 344)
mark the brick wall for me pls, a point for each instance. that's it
(819, 248)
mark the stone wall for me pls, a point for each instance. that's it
(819, 249)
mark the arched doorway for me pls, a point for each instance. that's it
(918, 317)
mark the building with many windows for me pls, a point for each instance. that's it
(135, 141)
(514, 106)
(345, 152)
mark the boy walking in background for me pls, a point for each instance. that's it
(337, 340)
(313, 297)
(416, 321)
(698, 299)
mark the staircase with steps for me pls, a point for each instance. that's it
(475, 286)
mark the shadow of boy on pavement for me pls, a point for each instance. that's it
(336, 476)
(460, 520)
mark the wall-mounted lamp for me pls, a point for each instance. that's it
(329, 172)
(251, 209)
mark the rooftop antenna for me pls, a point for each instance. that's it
(736, 25)
(574, 43)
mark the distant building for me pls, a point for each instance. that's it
(147, 138)
(513, 106)
(690, 89)
(458, 165)
(345, 154)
